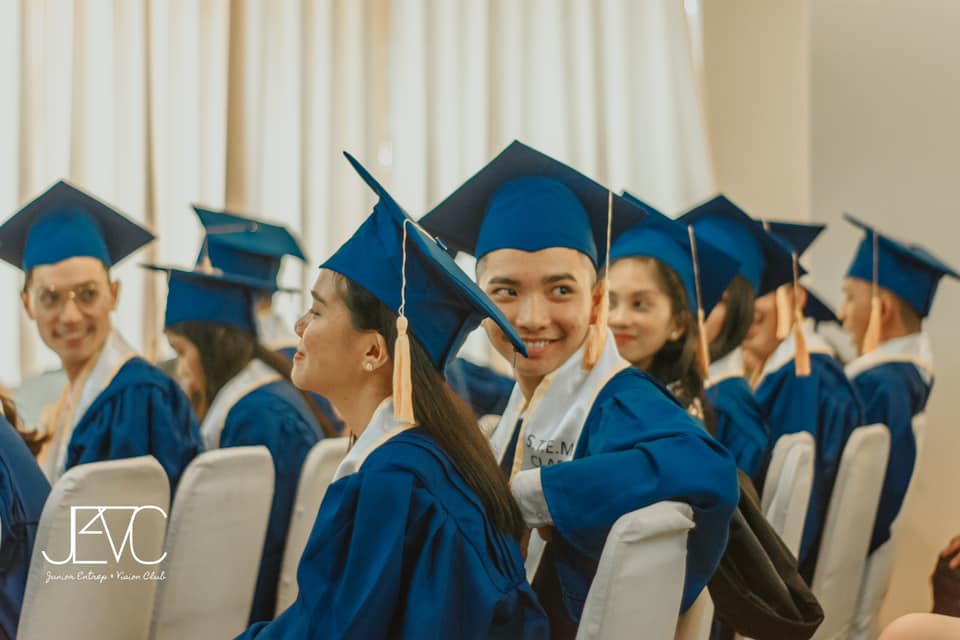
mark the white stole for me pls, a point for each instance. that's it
(914, 348)
(382, 427)
(253, 376)
(729, 366)
(555, 415)
(114, 354)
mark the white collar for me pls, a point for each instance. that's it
(786, 351)
(914, 348)
(253, 376)
(729, 366)
(382, 427)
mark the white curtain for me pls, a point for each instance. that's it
(247, 104)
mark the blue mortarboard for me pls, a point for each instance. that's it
(64, 222)
(908, 270)
(523, 199)
(246, 246)
(669, 241)
(764, 261)
(442, 303)
(199, 296)
(798, 236)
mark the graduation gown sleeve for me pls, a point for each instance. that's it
(741, 427)
(141, 412)
(892, 394)
(276, 417)
(399, 550)
(638, 447)
(23, 491)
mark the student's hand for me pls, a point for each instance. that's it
(952, 550)
(546, 533)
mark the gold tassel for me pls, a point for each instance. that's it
(402, 384)
(703, 352)
(871, 339)
(402, 378)
(801, 356)
(784, 313)
(597, 338)
(703, 349)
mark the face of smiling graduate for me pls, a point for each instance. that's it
(550, 297)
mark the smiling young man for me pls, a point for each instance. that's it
(585, 437)
(894, 377)
(115, 404)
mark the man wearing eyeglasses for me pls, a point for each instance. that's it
(115, 404)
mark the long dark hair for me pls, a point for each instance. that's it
(675, 364)
(225, 351)
(33, 439)
(440, 413)
(737, 321)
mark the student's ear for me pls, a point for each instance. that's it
(25, 299)
(114, 294)
(376, 353)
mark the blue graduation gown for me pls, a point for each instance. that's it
(741, 427)
(638, 447)
(142, 411)
(404, 549)
(485, 390)
(275, 416)
(893, 393)
(23, 491)
(825, 405)
(322, 403)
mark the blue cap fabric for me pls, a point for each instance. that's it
(443, 304)
(764, 261)
(668, 241)
(198, 296)
(64, 222)
(798, 236)
(246, 246)
(817, 309)
(526, 200)
(908, 270)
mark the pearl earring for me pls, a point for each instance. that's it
(368, 366)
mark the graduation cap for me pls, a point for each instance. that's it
(908, 270)
(764, 261)
(210, 296)
(524, 199)
(704, 270)
(415, 277)
(64, 222)
(246, 246)
(798, 236)
(667, 240)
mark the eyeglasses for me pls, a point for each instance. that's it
(50, 301)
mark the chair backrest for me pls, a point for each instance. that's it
(786, 493)
(879, 566)
(121, 508)
(848, 528)
(214, 543)
(638, 586)
(318, 469)
(697, 621)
